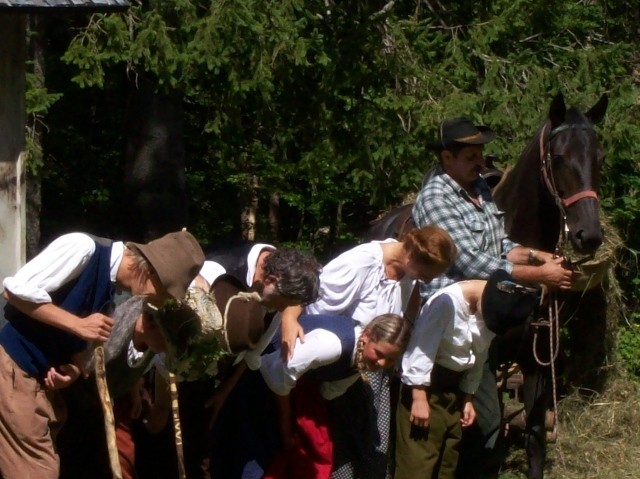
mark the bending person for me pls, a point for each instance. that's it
(442, 368)
(371, 279)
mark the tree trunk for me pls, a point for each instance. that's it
(274, 216)
(155, 178)
(250, 209)
(35, 53)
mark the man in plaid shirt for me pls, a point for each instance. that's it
(457, 199)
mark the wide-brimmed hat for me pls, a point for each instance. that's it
(460, 132)
(242, 312)
(505, 303)
(176, 258)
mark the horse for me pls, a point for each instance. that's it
(550, 197)
(552, 188)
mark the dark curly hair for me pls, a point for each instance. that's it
(298, 274)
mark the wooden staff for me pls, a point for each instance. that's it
(175, 413)
(109, 421)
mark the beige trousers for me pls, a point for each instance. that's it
(30, 418)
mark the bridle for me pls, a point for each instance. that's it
(549, 180)
(553, 307)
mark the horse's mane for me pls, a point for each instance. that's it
(505, 173)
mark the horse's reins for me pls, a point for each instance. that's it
(553, 322)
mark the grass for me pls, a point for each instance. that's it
(598, 437)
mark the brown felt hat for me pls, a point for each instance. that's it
(460, 132)
(242, 312)
(176, 258)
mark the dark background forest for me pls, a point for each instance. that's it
(299, 122)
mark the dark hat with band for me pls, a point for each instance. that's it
(461, 132)
(176, 258)
(505, 303)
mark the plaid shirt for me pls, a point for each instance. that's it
(477, 231)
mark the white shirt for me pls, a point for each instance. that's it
(446, 333)
(320, 348)
(355, 284)
(252, 259)
(211, 270)
(60, 262)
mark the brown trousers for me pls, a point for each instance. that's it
(30, 418)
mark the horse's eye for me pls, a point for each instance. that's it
(558, 160)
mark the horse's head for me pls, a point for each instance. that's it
(572, 157)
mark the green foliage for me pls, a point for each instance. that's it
(38, 100)
(328, 105)
(629, 347)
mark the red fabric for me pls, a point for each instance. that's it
(312, 456)
(124, 439)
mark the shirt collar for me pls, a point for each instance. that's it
(117, 252)
(480, 185)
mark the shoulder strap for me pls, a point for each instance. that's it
(414, 304)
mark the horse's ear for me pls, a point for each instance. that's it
(557, 111)
(597, 111)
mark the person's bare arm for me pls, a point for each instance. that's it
(220, 395)
(468, 413)
(285, 421)
(529, 256)
(291, 330)
(553, 274)
(95, 327)
(420, 410)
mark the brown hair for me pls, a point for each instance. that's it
(430, 246)
(388, 328)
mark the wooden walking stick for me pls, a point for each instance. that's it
(175, 413)
(109, 421)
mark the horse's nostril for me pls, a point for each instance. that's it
(589, 242)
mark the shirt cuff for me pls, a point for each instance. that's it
(422, 380)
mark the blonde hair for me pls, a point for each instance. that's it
(141, 268)
(387, 328)
(430, 246)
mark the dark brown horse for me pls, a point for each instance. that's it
(554, 184)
